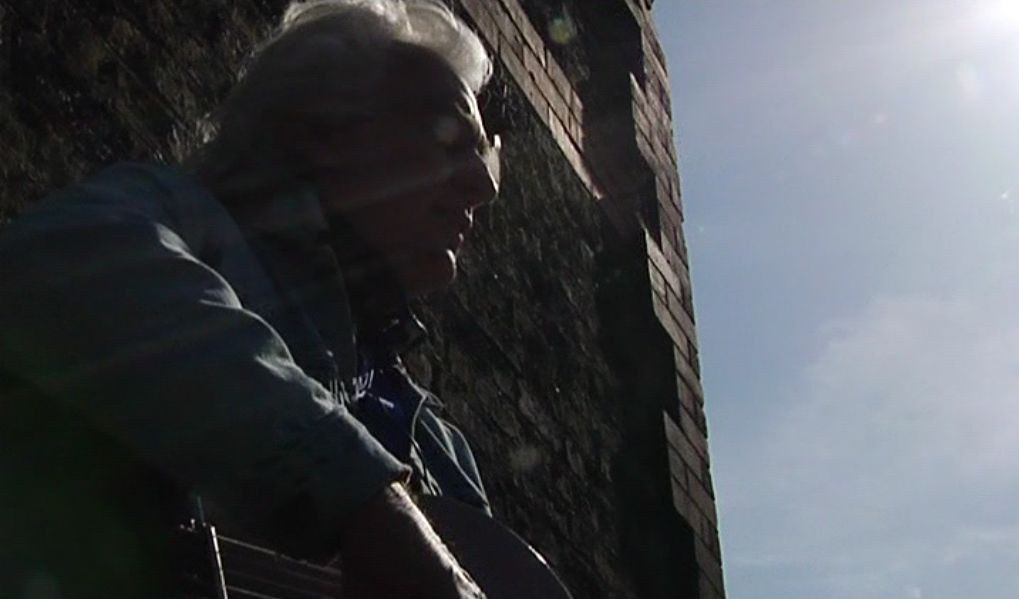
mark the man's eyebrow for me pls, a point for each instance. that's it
(465, 130)
(476, 131)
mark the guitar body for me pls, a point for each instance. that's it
(80, 518)
(503, 564)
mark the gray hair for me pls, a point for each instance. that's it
(318, 70)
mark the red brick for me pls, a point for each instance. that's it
(641, 122)
(576, 128)
(510, 33)
(681, 500)
(656, 278)
(685, 507)
(670, 256)
(672, 328)
(533, 64)
(527, 30)
(683, 272)
(711, 542)
(558, 104)
(670, 217)
(714, 545)
(573, 156)
(710, 567)
(558, 130)
(675, 305)
(679, 312)
(667, 225)
(671, 428)
(691, 422)
(687, 373)
(678, 471)
(537, 100)
(680, 243)
(576, 103)
(679, 442)
(558, 76)
(705, 590)
(688, 399)
(656, 54)
(584, 173)
(636, 89)
(646, 148)
(666, 187)
(693, 429)
(656, 67)
(510, 58)
(707, 532)
(646, 92)
(478, 12)
(663, 150)
(704, 500)
(656, 255)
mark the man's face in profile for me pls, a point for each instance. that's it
(408, 181)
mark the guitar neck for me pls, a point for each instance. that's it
(240, 570)
(504, 565)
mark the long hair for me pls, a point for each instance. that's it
(316, 72)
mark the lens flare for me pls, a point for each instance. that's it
(970, 82)
(998, 17)
(562, 30)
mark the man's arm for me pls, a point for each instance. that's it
(108, 311)
(408, 560)
(106, 308)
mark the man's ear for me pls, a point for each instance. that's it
(328, 147)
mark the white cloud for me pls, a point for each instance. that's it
(895, 459)
(970, 82)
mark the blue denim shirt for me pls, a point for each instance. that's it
(407, 420)
(135, 299)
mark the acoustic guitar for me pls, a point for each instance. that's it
(503, 565)
(82, 518)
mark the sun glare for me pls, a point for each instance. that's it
(989, 68)
(998, 16)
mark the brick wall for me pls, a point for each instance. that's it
(567, 350)
(627, 160)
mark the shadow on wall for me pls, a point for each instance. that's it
(657, 544)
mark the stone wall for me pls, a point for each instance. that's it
(567, 349)
(594, 74)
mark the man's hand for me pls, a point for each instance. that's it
(390, 551)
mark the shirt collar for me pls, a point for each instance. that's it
(295, 216)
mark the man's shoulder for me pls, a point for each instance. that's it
(122, 184)
(152, 189)
(148, 193)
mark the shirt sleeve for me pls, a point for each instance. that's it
(110, 312)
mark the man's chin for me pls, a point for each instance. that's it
(432, 273)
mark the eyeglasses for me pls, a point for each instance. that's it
(491, 155)
(457, 136)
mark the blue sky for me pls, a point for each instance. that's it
(850, 176)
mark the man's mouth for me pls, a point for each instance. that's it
(455, 243)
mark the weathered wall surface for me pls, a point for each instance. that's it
(88, 84)
(566, 350)
(594, 74)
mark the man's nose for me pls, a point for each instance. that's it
(476, 175)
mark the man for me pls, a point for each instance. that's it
(223, 321)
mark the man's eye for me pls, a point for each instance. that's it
(447, 131)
